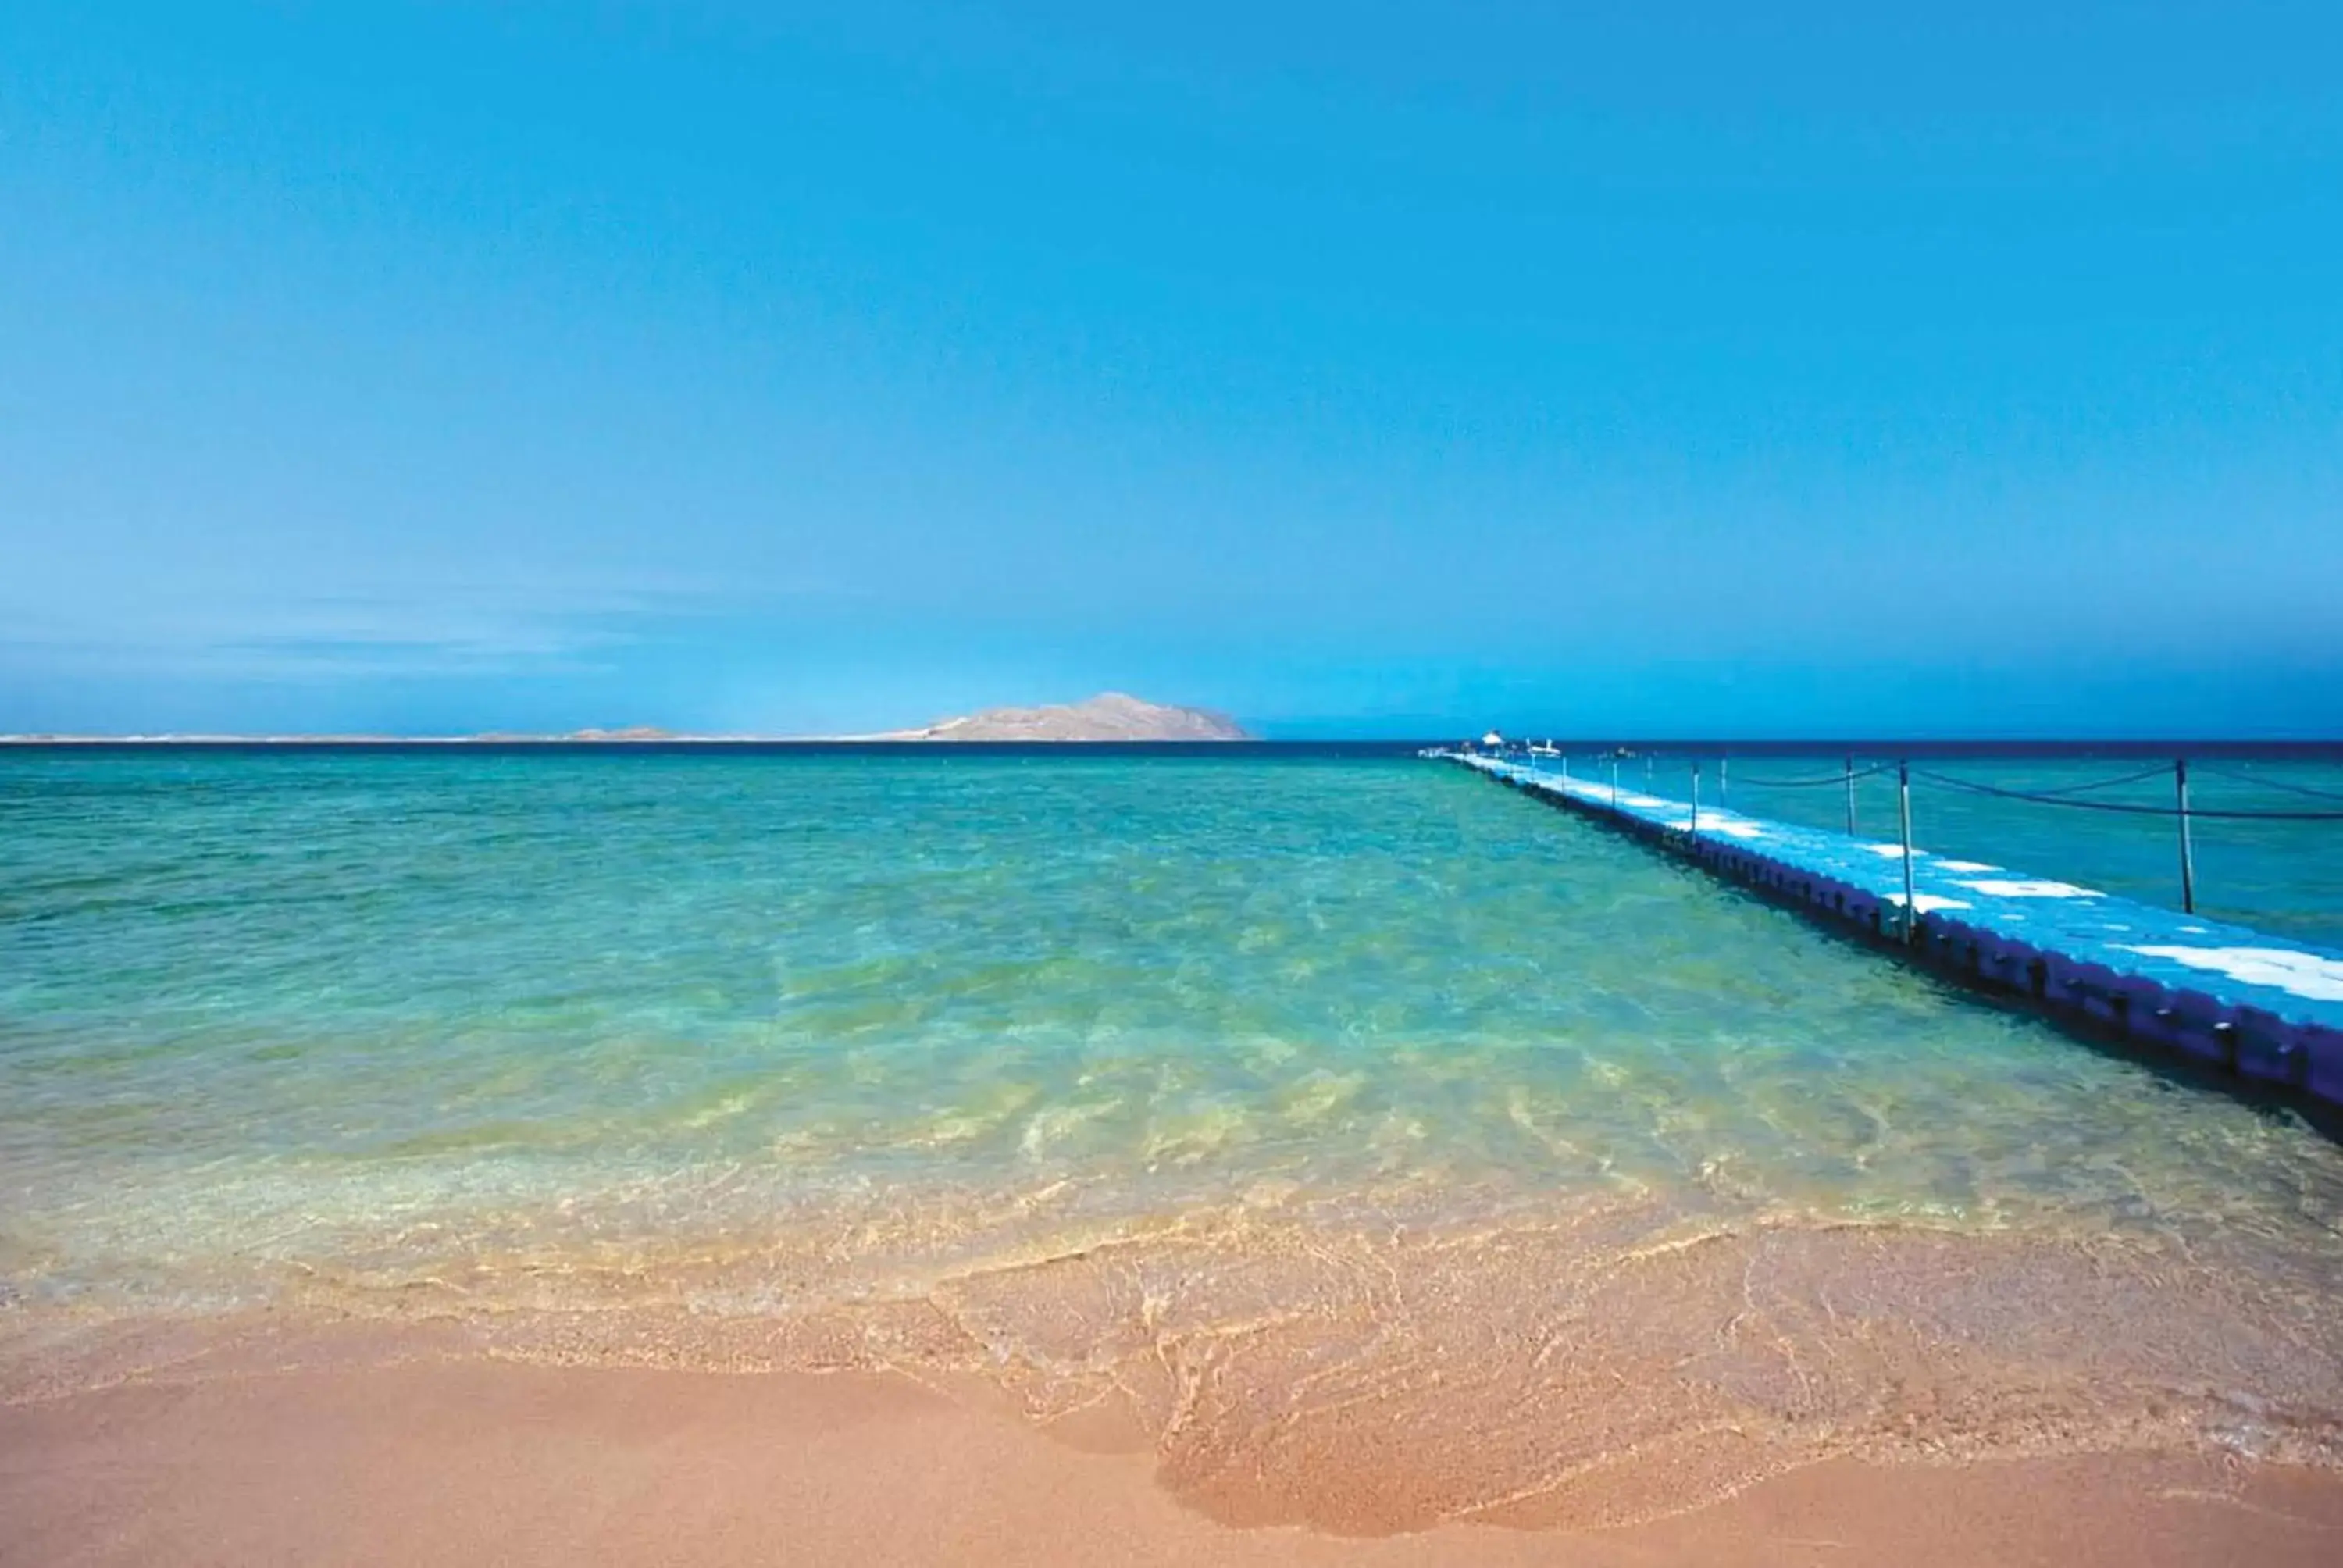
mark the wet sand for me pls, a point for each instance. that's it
(363, 1448)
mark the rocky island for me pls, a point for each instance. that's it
(1110, 716)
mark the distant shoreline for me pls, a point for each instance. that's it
(491, 738)
(2330, 748)
(1111, 717)
(618, 741)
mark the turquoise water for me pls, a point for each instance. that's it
(754, 1035)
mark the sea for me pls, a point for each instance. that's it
(1294, 1104)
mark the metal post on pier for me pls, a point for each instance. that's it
(1904, 809)
(1614, 781)
(1850, 797)
(1695, 798)
(2187, 852)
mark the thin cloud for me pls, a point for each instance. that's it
(442, 629)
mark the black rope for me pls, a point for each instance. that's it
(1765, 783)
(2267, 783)
(2064, 796)
(2161, 770)
(2048, 800)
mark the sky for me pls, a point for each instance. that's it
(1362, 369)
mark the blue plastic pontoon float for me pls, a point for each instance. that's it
(2263, 1009)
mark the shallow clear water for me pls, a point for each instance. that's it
(762, 1034)
(261, 991)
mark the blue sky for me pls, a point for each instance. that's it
(1360, 369)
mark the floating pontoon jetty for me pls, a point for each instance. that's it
(2260, 1008)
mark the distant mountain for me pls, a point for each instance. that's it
(1110, 716)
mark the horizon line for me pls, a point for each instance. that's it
(1655, 742)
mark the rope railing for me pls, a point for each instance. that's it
(2066, 796)
(2062, 795)
(2161, 770)
(1817, 781)
(2269, 783)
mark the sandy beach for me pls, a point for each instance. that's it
(359, 1447)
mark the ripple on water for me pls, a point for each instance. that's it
(1300, 1112)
